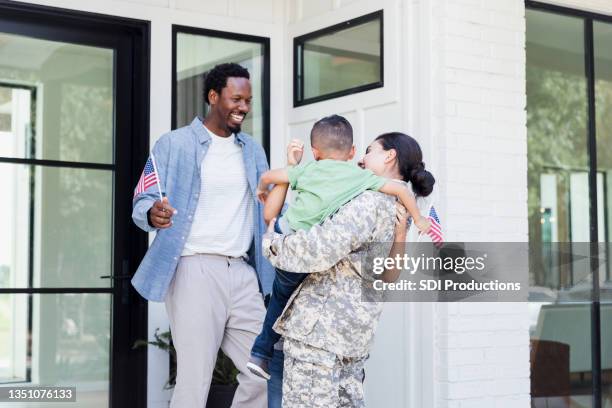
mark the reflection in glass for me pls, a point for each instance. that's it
(59, 231)
(345, 59)
(558, 202)
(195, 55)
(57, 339)
(56, 104)
(56, 100)
(602, 38)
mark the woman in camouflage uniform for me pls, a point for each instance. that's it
(327, 326)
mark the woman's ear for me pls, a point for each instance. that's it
(391, 156)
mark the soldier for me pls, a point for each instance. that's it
(327, 326)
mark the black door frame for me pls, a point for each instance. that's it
(589, 55)
(131, 40)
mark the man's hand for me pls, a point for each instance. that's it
(161, 214)
(295, 151)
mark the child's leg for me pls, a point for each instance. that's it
(282, 288)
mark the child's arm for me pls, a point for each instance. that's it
(274, 202)
(401, 191)
(276, 176)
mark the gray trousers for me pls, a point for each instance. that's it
(214, 301)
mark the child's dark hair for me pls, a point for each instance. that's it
(332, 133)
(409, 161)
(216, 78)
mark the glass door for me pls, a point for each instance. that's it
(558, 188)
(602, 55)
(66, 142)
(569, 107)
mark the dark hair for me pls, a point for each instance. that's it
(216, 78)
(409, 161)
(332, 132)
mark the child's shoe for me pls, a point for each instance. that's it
(259, 367)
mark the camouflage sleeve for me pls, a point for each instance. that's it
(323, 246)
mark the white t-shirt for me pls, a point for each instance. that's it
(223, 220)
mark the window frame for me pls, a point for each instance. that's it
(265, 80)
(588, 18)
(298, 59)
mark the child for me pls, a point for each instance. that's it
(322, 187)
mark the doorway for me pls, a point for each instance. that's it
(74, 109)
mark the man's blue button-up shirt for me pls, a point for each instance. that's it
(178, 157)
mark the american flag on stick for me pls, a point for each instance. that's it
(435, 232)
(148, 177)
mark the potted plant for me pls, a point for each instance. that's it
(224, 383)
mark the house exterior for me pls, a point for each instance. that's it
(479, 84)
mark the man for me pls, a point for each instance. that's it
(208, 224)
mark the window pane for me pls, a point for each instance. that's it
(195, 55)
(346, 59)
(59, 231)
(57, 340)
(602, 36)
(558, 200)
(56, 100)
(6, 110)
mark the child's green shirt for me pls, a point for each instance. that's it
(323, 186)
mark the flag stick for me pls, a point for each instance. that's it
(161, 197)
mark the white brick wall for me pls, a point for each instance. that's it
(482, 357)
(481, 102)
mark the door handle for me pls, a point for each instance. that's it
(124, 278)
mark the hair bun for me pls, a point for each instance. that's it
(422, 180)
(416, 169)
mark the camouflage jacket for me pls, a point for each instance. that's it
(328, 310)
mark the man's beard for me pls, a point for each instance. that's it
(234, 129)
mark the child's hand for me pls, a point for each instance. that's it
(423, 224)
(271, 225)
(295, 151)
(262, 194)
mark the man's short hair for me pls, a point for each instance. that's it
(332, 133)
(216, 78)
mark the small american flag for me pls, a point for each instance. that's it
(147, 178)
(435, 232)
